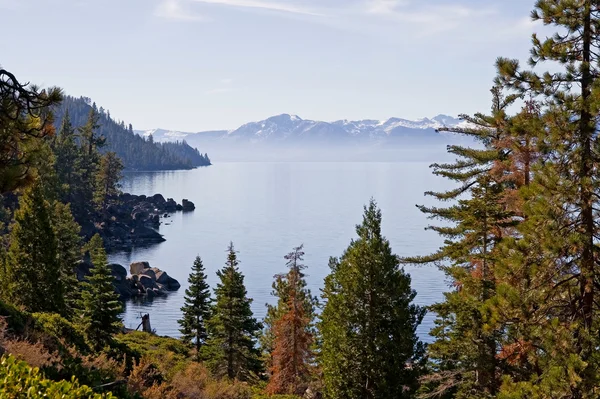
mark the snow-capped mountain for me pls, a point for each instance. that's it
(292, 129)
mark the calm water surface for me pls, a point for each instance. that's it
(268, 208)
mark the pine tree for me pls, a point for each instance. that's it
(292, 333)
(100, 303)
(197, 308)
(370, 348)
(25, 118)
(561, 223)
(87, 166)
(68, 241)
(32, 276)
(66, 152)
(281, 290)
(232, 331)
(107, 179)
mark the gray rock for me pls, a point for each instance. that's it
(161, 277)
(138, 267)
(118, 271)
(150, 294)
(187, 205)
(147, 282)
(171, 205)
(172, 284)
(157, 199)
(150, 273)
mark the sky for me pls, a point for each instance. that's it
(194, 65)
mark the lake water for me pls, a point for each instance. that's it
(268, 208)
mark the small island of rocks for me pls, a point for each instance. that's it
(143, 281)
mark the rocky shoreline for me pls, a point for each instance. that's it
(133, 220)
(143, 281)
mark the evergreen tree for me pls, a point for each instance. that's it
(232, 331)
(281, 290)
(68, 241)
(32, 276)
(464, 353)
(25, 118)
(292, 333)
(100, 303)
(560, 356)
(197, 308)
(66, 152)
(87, 166)
(370, 348)
(107, 179)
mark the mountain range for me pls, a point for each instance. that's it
(293, 129)
(288, 133)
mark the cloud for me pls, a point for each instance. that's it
(225, 87)
(426, 19)
(265, 5)
(384, 6)
(172, 9)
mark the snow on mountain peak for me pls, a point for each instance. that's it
(287, 126)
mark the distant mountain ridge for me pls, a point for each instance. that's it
(286, 128)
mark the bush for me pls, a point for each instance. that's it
(18, 380)
(62, 329)
(169, 355)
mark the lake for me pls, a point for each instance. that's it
(266, 209)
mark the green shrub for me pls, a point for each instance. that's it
(60, 328)
(169, 355)
(18, 380)
(16, 320)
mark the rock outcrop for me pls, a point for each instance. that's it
(187, 205)
(133, 220)
(143, 281)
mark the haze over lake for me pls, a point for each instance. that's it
(266, 208)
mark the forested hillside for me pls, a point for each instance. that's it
(136, 152)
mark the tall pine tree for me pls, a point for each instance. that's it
(100, 305)
(562, 223)
(370, 348)
(291, 358)
(197, 308)
(281, 290)
(107, 179)
(232, 331)
(32, 276)
(68, 249)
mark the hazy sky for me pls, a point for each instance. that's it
(215, 64)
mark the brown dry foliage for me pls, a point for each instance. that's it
(292, 354)
(193, 382)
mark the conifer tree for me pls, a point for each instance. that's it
(25, 118)
(292, 335)
(232, 331)
(281, 290)
(197, 308)
(107, 179)
(66, 152)
(561, 225)
(370, 348)
(100, 303)
(68, 241)
(87, 166)
(32, 277)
